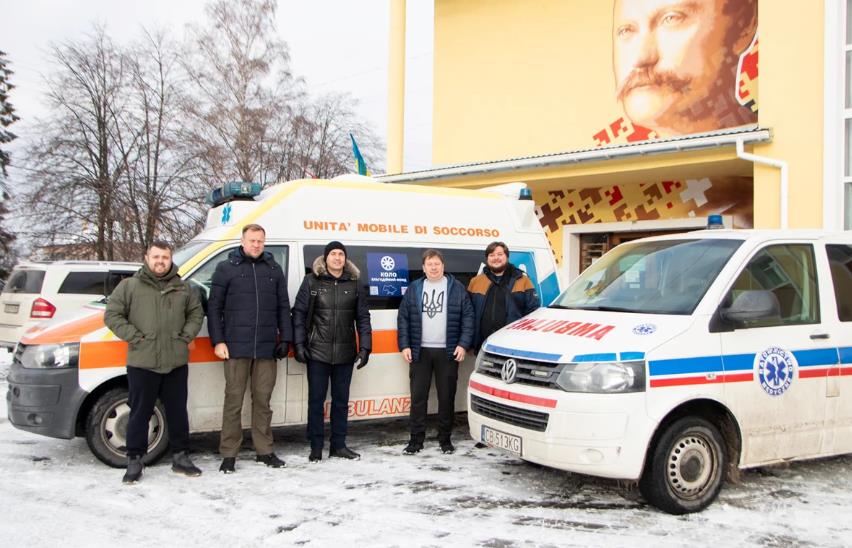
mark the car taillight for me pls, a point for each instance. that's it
(42, 309)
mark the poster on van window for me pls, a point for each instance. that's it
(387, 274)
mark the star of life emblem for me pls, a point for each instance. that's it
(775, 369)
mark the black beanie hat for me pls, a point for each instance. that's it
(331, 247)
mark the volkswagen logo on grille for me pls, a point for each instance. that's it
(510, 369)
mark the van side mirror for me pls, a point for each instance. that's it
(752, 305)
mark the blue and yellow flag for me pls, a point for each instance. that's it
(360, 165)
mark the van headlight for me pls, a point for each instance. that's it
(50, 356)
(483, 362)
(602, 378)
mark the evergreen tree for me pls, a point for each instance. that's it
(7, 117)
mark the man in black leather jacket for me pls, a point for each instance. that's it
(330, 305)
(248, 317)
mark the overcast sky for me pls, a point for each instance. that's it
(335, 45)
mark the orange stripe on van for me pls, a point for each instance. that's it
(65, 333)
(99, 354)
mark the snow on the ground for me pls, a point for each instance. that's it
(5, 363)
(55, 492)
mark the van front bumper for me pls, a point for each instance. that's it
(596, 434)
(44, 401)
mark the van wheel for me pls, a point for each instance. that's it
(684, 470)
(106, 429)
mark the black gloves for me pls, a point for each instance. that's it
(281, 350)
(302, 354)
(363, 358)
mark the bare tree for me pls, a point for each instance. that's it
(161, 198)
(242, 92)
(75, 161)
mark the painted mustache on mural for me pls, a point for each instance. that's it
(649, 77)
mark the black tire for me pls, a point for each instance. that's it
(685, 468)
(106, 429)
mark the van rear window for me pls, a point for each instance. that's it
(25, 281)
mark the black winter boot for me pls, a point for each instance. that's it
(415, 444)
(344, 453)
(182, 465)
(227, 466)
(270, 460)
(134, 470)
(316, 454)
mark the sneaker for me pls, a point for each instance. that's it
(134, 470)
(182, 465)
(270, 460)
(344, 453)
(227, 466)
(414, 446)
(316, 455)
(447, 447)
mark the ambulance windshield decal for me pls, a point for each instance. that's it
(666, 277)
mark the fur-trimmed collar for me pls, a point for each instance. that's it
(320, 269)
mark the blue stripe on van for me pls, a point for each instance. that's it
(676, 366)
(819, 356)
(522, 353)
(845, 354)
(738, 362)
(632, 356)
(604, 357)
(549, 288)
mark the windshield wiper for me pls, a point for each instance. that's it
(606, 308)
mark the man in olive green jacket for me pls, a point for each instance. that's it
(158, 314)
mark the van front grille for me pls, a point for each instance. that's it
(532, 420)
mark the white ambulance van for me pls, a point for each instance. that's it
(68, 378)
(673, 360)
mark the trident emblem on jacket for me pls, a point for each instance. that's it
(435, 305)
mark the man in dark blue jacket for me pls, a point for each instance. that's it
(248, 317)
(501, 294)
(329, 307)
(434, 332)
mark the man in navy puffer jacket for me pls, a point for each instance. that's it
(434, 332)
(248, 317)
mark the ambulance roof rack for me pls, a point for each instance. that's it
(234, 190)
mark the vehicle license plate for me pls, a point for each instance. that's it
(501, 440)
(11, 308)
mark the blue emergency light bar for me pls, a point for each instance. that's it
(235, 190)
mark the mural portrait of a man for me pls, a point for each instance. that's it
(676, 62)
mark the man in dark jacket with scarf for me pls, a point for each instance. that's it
(434, 332)
(329, 308)
(158, 315)
(248, 317)
(501, 294)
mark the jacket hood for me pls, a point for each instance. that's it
(321, 269)
(583, 335)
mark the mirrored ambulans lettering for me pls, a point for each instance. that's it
(563, 327)
(399, 405)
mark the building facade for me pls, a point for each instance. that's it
(634, 117)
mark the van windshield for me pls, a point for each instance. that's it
(185, 253)
(663, 277)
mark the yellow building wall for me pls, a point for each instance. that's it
(791, 105)
(524, 77)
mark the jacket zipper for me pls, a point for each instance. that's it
(334, 322)
(256, 310)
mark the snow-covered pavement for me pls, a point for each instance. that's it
(55, 492)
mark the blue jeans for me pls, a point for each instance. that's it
(319, 374)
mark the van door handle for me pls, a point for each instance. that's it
(816, 336)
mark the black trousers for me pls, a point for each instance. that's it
(319, 374)
(446, 371)
(145, 387)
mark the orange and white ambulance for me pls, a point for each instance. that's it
(68, 378)
(672, 360)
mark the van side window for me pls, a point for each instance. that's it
(789, 272)
(84, 283)
(840, 261)
(463, 264)
(203, 276)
